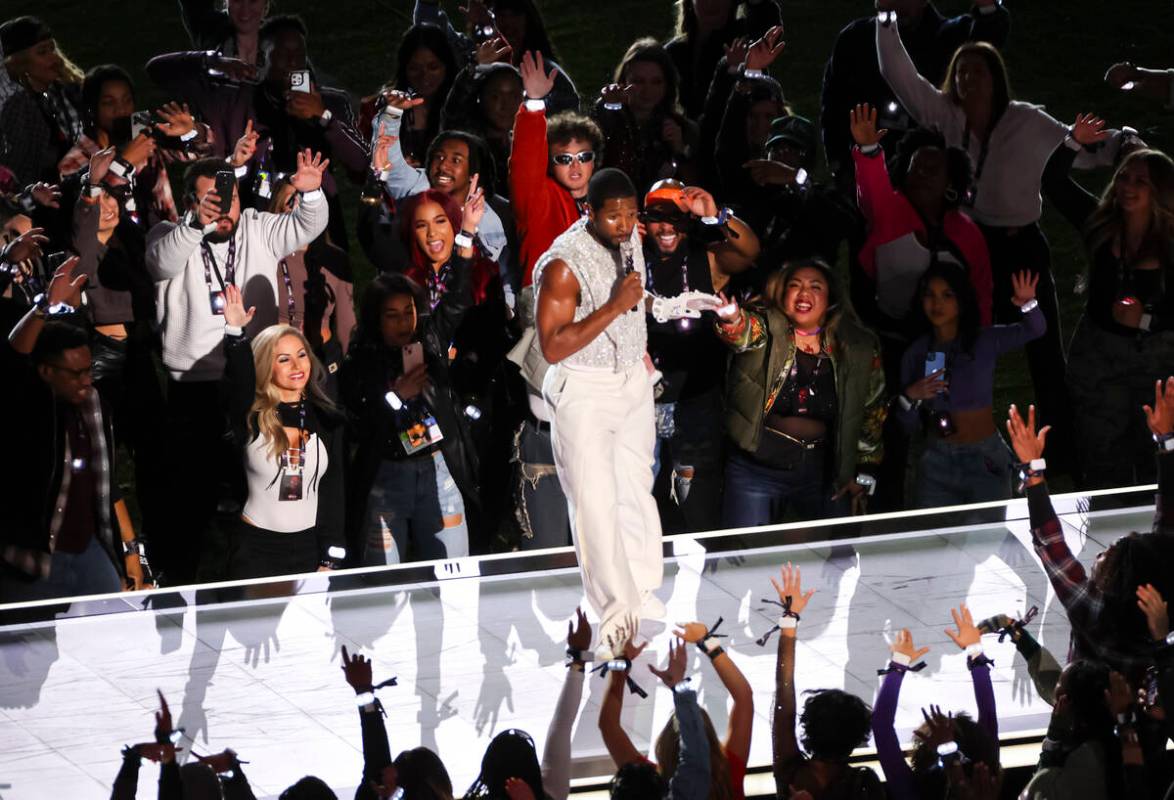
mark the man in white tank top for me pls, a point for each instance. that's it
(599, 392)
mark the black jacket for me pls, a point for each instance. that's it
(367, 375)
(29, 487)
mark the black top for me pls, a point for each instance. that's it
(1110, 277)
(687, 351)
(809, 391)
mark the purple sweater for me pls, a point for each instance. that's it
(971, 377)
(898, 773)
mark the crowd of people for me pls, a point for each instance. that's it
(599, 313)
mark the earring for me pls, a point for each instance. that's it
(951, 195)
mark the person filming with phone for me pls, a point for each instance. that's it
(192, 263)
(948, 374)
(415, 469)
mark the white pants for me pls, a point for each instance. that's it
(603, 429)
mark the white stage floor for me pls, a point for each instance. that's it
(477, 652)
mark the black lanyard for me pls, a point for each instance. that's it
(289, 296)
(438, 284)
(303, 435)
(979, 166)
(211, 266)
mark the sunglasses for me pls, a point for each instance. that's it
(565, 159)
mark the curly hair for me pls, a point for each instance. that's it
(834, 724)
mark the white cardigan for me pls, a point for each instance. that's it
(193, 337)
(1020, 145)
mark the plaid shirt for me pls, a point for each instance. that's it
(1081, 597)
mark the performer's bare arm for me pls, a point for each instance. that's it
(558, 296)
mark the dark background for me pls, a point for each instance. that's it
(1057, 54)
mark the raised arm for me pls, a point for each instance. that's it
(1157, 84)
(738, 728)
(615, 738)
(742, 330)
(1032, 325)
(171, 244)
(401, 179)
(923, 100)
(874, 190)
(556, 754)
(784, 746)
(286, 233)
(969, 639)
(690, 781)
(898, 774)
(240, 370)
(64, 290)
(376, 750)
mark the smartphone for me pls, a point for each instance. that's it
(55, 260)
(225, 185)
(140, 122)
(934, 362)
(413, 356)
(121, 131)
(299, 80)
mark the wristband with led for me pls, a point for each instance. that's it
(463, 239)
(1165, 442)
(1029, 306)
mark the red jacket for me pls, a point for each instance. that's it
(542, 208)
(892, 248)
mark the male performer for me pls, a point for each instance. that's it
(590, 319)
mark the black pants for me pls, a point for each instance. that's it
(261, 553)
(1014, 250)
(125, 377)
(199, 461)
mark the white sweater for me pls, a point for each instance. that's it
(1019, 148)
(193, 337)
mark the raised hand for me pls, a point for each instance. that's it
(177, 120)
(234, 308)
(967, 633)
(1023, 286)
(357, 671)
(674, 671)
(1089, 129)
(46, 195)
(615, 94)
(691, 632)
(163, 724)
(1027, 444)
(381, 152)
(1157, 617)
(696, 201)
(245, 146)
(862, 121)
(792, 587)
(29, 244)
(763, 52)
(311, 168)
(401, 100)
(536, 83)
(579, 632)
(63, 287)
(1159, 416)
(208, 209)
(903, 645)
(477, 15)
(938, 728)
(736, 52)
(100, 164)
(474, 207)
(1121, 74)
(729, 311)
(493, 50)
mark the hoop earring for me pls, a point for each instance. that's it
(952, 195)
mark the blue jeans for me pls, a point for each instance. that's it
(760, 495)
(70, 575)
(415, 505)
(956, 474)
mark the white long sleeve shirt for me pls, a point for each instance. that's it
(193, 336)
(1008, 190)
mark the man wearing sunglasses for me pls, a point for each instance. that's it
(64, 533)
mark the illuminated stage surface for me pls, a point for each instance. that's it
(481, 649)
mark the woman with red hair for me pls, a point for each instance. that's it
(430, 224)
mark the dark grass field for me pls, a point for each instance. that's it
(1056, 55)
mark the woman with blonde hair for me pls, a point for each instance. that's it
(1125, 339)
(291, 435)
(42, 118)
